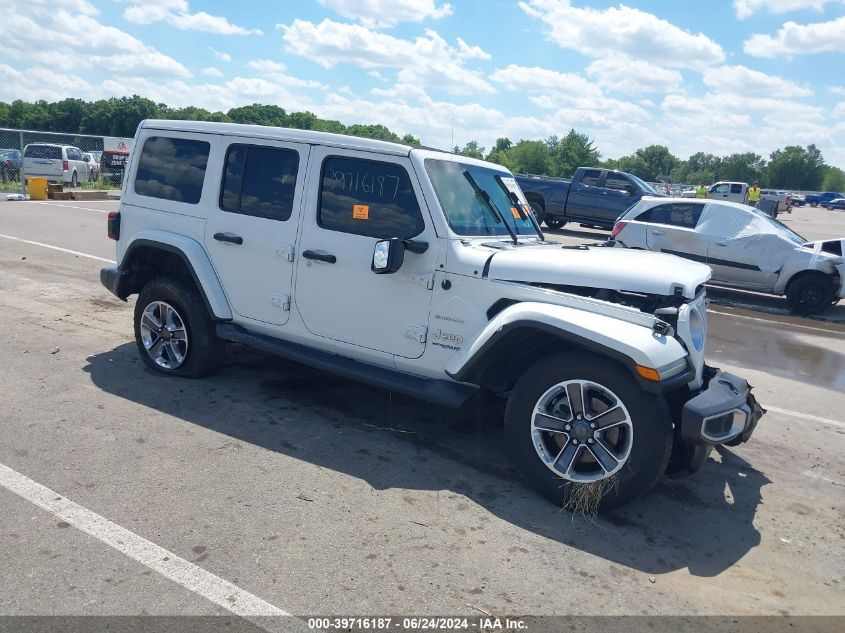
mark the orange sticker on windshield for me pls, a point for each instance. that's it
(361, 211)
(515, 213)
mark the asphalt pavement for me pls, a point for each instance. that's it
(271, 488)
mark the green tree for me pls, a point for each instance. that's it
(697, 168)
(572, 151)
(654, 162)
(410, 139)
(528, 157)
(795, 167)
(471, 149)
(499, 150)
(834, 179)
(378, 132)
(742, 167)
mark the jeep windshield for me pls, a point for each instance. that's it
(466, 212)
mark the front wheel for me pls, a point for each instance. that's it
(173, 330)
(810, 293)
(578, 426)
(555, 222)
(73, 181)
(539, 212)
(814, 204)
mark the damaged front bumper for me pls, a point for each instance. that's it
(724, 411)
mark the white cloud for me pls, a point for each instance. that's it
(211, 71)
(221, 56)
(747, 8)
(633, 76)
(387, 13)
(266, 65)
(544, 81)
(427, 60)
(740, 80)
(836, 90)
(799, 39)
(623, 31)
(24, 32)
(177, 14)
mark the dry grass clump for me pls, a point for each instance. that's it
(585, 499)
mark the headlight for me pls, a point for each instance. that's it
(697, 328)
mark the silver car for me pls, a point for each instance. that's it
(744, 247)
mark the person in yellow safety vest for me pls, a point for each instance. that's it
(701, 190)
(754, 194)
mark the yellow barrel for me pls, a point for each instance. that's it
(37, 188)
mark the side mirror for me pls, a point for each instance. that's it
(87, 159)
(388, 256)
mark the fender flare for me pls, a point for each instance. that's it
(196, 260)
(628, 343)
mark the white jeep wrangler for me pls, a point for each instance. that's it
(424, 273)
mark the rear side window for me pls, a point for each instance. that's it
(172, 169)
(591, 178)
(259, 181)
(371, 198)
(614, 181)
(51, 152)
(736, 188)
(685, 215)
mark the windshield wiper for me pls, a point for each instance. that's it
(485, 198)
(518, 205)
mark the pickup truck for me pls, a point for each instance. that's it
(594, 197)
(816, 199)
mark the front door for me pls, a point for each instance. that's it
(617, 196)
(361, 199)
(251, 230)
(584, 193)
(672, 229)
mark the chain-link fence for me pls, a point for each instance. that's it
(73, 160)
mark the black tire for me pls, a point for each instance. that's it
(650, 420)
(539, 212)
(814, 204)
(204, 348)
(810, 293)
(555, 222)
(73, 181)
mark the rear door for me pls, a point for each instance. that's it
(251, 230)
(671, 229)
(43, 160)
(584, 193)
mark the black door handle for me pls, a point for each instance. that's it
(330, 259)
(228, 237)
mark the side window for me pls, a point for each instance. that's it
(720, 189)
(259, 181)
(680, 214)
(736, 188)
(591, 177)
(172, 169)
(615, 181)
(371, 198)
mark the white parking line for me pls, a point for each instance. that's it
(57, 248)
(70, 206)
(805, 416)
(165, 562)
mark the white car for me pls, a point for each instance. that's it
(425, 273)
(58, 163)
(743, 246)
(93, 160)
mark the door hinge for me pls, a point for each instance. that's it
(426, 280)
(281, 301)
(416, 332)
(285, 252)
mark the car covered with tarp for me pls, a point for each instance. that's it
(744, 247)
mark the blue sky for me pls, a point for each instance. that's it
(718, 76)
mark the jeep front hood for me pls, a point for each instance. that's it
(600, 267)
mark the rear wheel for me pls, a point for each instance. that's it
(810, 293)
(539, 211)
(555, 222)
(73, 181)
(814, 204)
(578, 424)
(173, 330)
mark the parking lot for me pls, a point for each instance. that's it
(270, 488)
